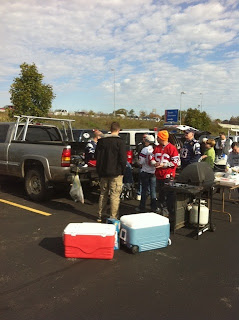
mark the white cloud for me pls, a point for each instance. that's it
(157, 48)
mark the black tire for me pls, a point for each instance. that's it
(35, 185)
(122, 243)
(134, 249)
(213, 228)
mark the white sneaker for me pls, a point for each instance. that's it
(138, 197)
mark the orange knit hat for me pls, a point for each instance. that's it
(163, 135)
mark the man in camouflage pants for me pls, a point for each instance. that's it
(110, 165)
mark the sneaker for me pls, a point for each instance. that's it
(99, 219)
(138, 197)
(165, 212)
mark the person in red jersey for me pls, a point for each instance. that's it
(166, 160)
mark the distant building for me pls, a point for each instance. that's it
(120, 115)
(60, 112)
(7, 107)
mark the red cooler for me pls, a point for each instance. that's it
(89, 240)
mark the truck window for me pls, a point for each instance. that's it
(42, 134)
(39, 133)
(3, 132)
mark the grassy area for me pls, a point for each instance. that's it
(103, 123)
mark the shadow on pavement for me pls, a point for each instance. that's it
(54, 245)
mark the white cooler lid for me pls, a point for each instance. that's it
(144, 220)
(90, 228)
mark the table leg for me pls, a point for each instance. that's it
(223, 206)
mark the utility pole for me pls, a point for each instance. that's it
(201, 100)
(114, 90)
(181, 106)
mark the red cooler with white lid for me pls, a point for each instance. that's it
(89, 240)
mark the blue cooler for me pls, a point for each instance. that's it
(116, 223)
(144, 231)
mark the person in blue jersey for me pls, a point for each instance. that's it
(190, 151)
(91, 146)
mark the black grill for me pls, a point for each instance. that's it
(197, 174)
(194, 181)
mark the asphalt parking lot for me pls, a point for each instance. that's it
(191, 279)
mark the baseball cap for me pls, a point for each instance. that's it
(149, 138)
(189, 130)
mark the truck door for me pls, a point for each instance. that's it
(3, 148)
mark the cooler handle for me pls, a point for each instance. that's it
(123, 237)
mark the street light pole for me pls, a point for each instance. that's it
(181, 106)
(114, 90)
(201, 100)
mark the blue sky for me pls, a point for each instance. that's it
(157, 48)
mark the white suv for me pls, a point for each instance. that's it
(134, 136)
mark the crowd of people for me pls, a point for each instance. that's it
(158, 164)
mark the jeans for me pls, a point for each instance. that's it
(140, 185)
(148, 180)
(165, 198)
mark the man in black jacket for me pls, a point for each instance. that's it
(110, 165)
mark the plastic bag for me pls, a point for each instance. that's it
(76, 191)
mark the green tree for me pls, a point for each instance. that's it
(91, 113)
(234, 120)
(142, 113)
(197, 119)
(131, 113)
(29, 95)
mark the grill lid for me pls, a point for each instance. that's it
(197, 174)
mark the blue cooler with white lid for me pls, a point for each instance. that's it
(144, 231)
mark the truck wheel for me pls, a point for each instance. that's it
(213, 228)
(134, 249)
(35, 184)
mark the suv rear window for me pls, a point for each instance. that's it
(125, 136)
(139, 136)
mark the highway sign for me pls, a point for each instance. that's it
(171, 115)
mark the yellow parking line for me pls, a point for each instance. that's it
(25, 208)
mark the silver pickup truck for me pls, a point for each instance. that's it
(35, 152)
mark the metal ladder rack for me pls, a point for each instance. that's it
(26, 120)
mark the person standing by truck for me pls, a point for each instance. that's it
(91, 147)
(111, 161)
